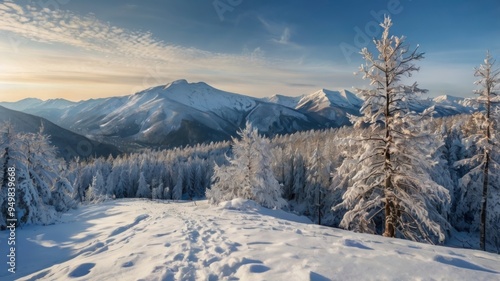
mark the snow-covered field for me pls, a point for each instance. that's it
(145, 240)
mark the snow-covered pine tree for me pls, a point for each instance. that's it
(133, 178)
(32, 199)
(299, 177)
(42, 163)
(167, 195)
(62, 195)
(197, 180)
(483, 162)
(122, 183)
(179, 185)
(393, 162)
(143, 190)
(314, 190)
(249, 173)
(96, 191)
(289, 173)
(157, 192)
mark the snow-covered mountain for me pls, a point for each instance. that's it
(175, 114)
(450, 105)
(161, 240)
(68, 143)
(287, 101)
(181, 113)
(333, 105)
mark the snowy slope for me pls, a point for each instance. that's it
(193, 112)
(68, 143)
(287, 101)
(448, 105)
(332, 105)
(22, 104)
(145, 240)
(271, 118)
(324, 99)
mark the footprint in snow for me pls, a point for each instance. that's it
(128, 264)
(82, 270)
(356, 244)
(460, 263)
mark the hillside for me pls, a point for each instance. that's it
(68, 143)
(141, 239)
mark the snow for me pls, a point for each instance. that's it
(447, 99)
(238, 240)
(325, 98)
(203, 97)
(287, 101)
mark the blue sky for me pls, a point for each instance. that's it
(87, 49)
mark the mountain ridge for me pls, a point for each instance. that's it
(68, 144)
(183, 113)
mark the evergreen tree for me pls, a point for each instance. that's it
(62, 195)
(249, 173)
(483, 161)
(299, 177)
(143, 190)
(95, 192)
(393, 168)
(178, 187)
(314, 192)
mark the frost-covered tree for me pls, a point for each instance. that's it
(249, 173)
(481, 176)
(157, 192)
(178, 187)
(143, 190)
(40, 189)
(391, 189)
(133, 178)
(166, 193)
(314, 190)
(62, 195)
(299, 177)
(96, 190)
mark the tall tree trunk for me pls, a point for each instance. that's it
(484, 203)
(390, 218)
(388, 188)
(319, 206)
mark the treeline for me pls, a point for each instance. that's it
(157, 174)
(305, 165)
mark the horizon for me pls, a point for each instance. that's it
(79, 51)
(195, 82)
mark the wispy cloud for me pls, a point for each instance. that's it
(74, 50)
(285, 37)
(281, 34)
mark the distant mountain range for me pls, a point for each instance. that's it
(69, 144)
(182, 113)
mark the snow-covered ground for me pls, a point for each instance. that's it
(145, 240)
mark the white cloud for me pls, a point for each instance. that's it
(285, 37)
(85, 50)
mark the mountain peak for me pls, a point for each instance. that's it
(447, 98)
(178, 82)
(287, 101)
(325, 98)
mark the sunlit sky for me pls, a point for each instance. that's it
(79, 50)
